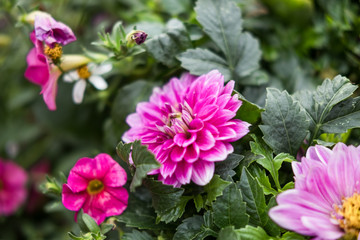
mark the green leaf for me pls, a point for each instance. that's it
(229, 209)
(262, 179)
(289, 185)
(87, 223)
(105, 228)
(229, 233)
(74, 237)
(199, 202)
(137, 235)
(326, 110)
(285, 123)
(252, 233)
(248, 112)
(168, 202)
(123, 151)
(200, 61)
(256, 206)
(144, 162)
(256, 77)
(215, 188)
(191, 228)
(166, 46)
(225, 168)
(292, 236)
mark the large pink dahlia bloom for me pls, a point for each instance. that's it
(326, 200)
(95, 185)
(12, 187)
(188, 124)
(42, 72)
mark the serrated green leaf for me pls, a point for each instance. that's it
(262, 179)
(248, 112)
(285, 123)
(229, 209)
(215, 188)
(229, 233)
(137, 235)
(191, 228)
(256, 206)
(144, 162)
(252, 233)
(199, 202)
(166, 46)
(123, 151)
(225, 168)
(168, 202)
(200, 61)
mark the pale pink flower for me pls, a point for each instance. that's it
(51, 32)
(325, 203)
(95, 185)
(41, 72)
(12, 187)
(188, 124)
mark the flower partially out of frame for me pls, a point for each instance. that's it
(90, 72)
(12, 187)
(325, 203)
(188, 124)
(95, 185)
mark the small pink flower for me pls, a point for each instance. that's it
(188, 125)
(326, 200)
(95, 185)
(51, 32)
(41, 72)
(12, 187)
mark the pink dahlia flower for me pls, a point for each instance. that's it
(51, 32)
(326, 200)
(188, 125)
(95, 185)
(12, 187)
(41, 72)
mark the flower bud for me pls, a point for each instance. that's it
(136, 36)
(30, 18)
(73, 61)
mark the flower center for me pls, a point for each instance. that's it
(83, 72)
(350, 216)
(54, 53)
(95, 186)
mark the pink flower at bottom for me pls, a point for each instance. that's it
(12, 187)
(95, 185)
(188, 125)
(326, 200)
(41, 72)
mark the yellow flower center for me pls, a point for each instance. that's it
(83, 72)
(95, 186)
(350, 212)
(54, 53)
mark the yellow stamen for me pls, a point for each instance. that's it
(83, 72)
(350, 212)
(95, 186)
(54, 53)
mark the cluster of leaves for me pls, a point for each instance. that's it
(276, 62)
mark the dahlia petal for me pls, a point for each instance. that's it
(192, 153)
(234, 103)
(207, 112)
(221, 116)
(205, 140)
(322, 227)
(72, 200)
(319, 153)
(168, 168)
(183, 172)
(229, 87)
(133, 120)
(217, 153)
(196, 125)
(202, 172)
(182, 140)
(171, 180)
(177, 154)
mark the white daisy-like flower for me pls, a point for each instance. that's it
(90, 72)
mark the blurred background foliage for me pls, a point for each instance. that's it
(302, 43)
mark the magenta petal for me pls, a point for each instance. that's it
(202, 172)
(49, 90)
(91, 208)
(177, 154)
(168, 168)
(207, 112)
(192, 153)
(12, 176)
(94, 168)
(196, 125)
(38, 69)
(217, 153)
(111, 201)
(205, 140)
(322, 227)
(183, 172)
(319, 153)
(72, 201)
(115, 177)
(183, 140)
(77, 182)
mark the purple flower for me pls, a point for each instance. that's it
(136, 36)
(326, 200)
(95, 185)
(188, 125)
(12, 187)
(51, 31)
